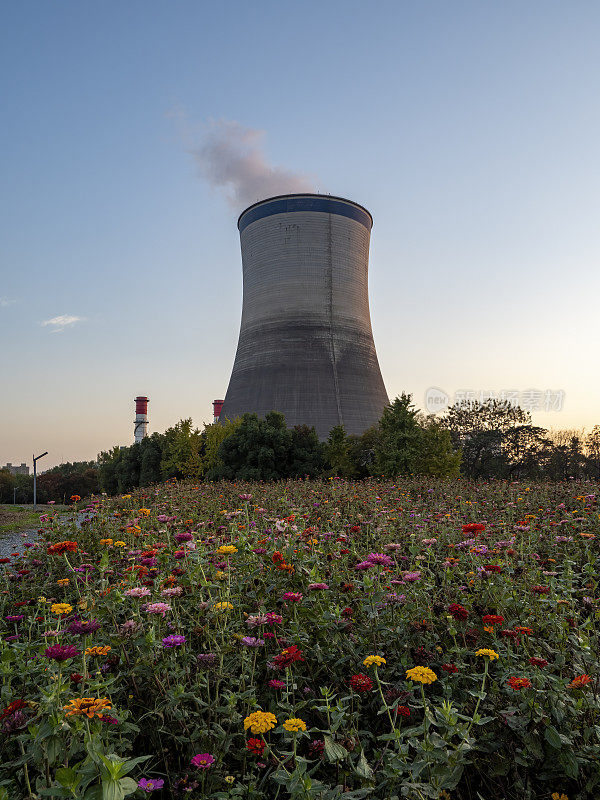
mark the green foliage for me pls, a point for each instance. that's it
(213, 437)
(372, 731)
(339, 456)
(259, 449)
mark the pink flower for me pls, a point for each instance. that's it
(138, 591)
(158, 608)
(292, 597)
(202, 760)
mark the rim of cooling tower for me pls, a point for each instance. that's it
(286, 203)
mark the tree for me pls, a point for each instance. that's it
(7, 484)
(436, 456)
(181, 451)
(213, 437)
(339, 454)
(306, 454)
(399, 439)
(259, 449)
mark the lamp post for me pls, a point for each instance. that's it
(35, 460)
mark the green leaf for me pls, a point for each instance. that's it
(67, 777)
(128, 785)
(111, 790)
(333, 750)
(552, 736)
(363, 767)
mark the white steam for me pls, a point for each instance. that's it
(231, 157)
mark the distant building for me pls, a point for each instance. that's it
(22, 470)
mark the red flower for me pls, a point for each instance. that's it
(16, 705)
(361, 683)
(451, 668)
(404, 711)
(61, 547)
(277, 557)
(347, 613)
(540, 589)
(288, 656)
(579, 682)
(492, 568)
(538, 662)
(492, 619)
(458, 611)
(519, 683)
(255, 746)
(473, 527)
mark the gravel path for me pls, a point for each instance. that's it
(13, 542)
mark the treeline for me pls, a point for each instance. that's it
(489, 440)
(59, 483)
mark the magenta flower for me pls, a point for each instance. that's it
(275, 684)
(173, 640)
(183, 537)
(292, 597)
(314, 586)
(252, 641)
(61, 652)
(380, 558)
(202, 761)
(150, 784)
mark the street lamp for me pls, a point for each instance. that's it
(35, 459)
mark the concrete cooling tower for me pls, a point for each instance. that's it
(306, 346)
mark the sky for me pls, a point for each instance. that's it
(135, 132)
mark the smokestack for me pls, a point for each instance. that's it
(306, 346)
(140, 425)
(217, 406)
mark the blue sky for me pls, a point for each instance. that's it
(470, 130)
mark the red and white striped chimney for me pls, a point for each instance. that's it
(217, 406)
(140, 429)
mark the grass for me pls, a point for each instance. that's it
(14, 518)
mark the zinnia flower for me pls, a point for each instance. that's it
(376, 660)
(579, 682)
(227, 550)
(150, 784)
(458, 611)
(61, 652)
(260, 721)
(492, 619)
(138, 591)
(61, 608)
(294, 725)
(380, 558)
(87, 706)
(487, 653)
(173, 640)
(292, 597)
(202, 761)
(421, 675)
(361, 683)
(519, 683)
(255, 746)
(158, 608)
(288, 656)
(223, 606)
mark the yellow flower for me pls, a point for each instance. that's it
(223, 606)
(227, 550)
(145, 512)
(42, 599)
(260, 722)
(120, 544)
(61, 608)
(125, 496)
(421, 675)
(63, 581)
(557, 796)
(486, 652)
(220, 576)
(377, 660)
(294, 725)
(229, 779)
(106, 541)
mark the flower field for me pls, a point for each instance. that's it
(417, 638)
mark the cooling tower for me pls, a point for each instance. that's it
(306, 346)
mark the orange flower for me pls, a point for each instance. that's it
(524, 630)
(98, 651)
(61, 547)
(87, 706)
(579, 682)
(75, 498)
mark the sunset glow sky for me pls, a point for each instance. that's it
(135, 132)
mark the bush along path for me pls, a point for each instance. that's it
(328, 639)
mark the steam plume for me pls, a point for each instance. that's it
(231, 157)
